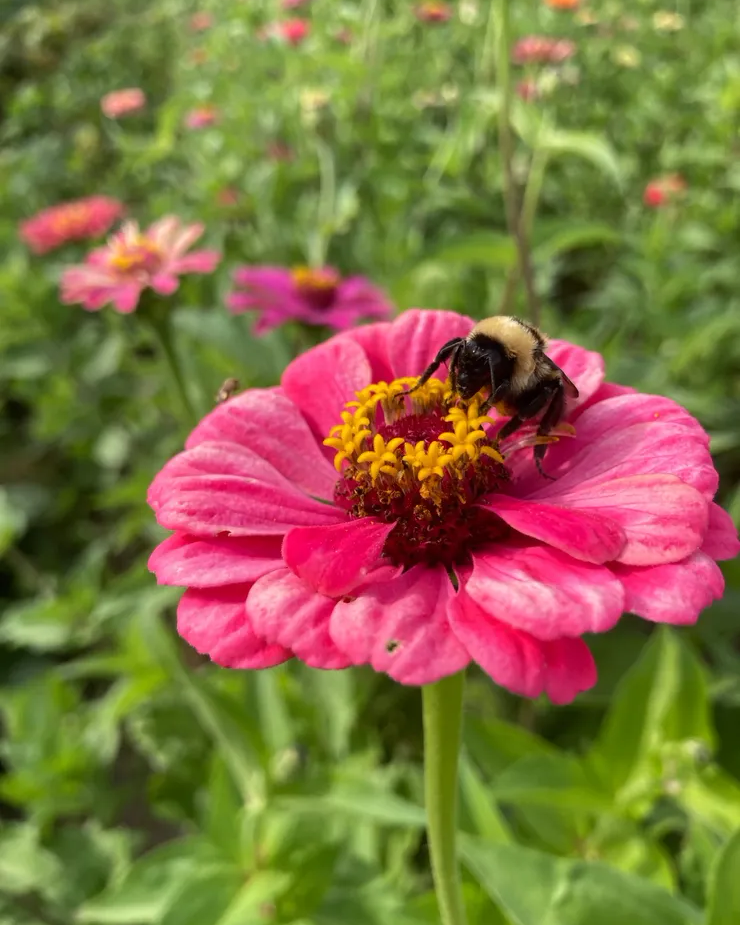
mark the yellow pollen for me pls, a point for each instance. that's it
(317, 280)
(134, 252)
(393, 462)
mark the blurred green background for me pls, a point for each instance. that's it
(143, 786)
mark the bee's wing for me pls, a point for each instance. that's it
(570, 387)
(571, 391)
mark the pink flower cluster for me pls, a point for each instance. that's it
(70, 221)
(422, 548)
(293, 31)
(663, 189)
(132, 261)
(542, 49)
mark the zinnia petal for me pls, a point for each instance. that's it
(208, 563)
(285, 611)
(673, 593)
(543, 591)
(586, 536)
(721, 540)
(415, 338)
(269, 424)
(338, 559)
(562, 668)
(214, 621)
(584, 367)
(401, 627)
(321, 381)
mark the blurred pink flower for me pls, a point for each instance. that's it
(201, 21)
(293, 31)
(313, 296)
(344, 36)
(132, 261)
(527, 89)
(541, 49)
(284, 554)
(279, 151)
(122, 102)
(433, 11)
(202, 117)
(293, 4)
(70, 221)
(663, 189)
(227, 197)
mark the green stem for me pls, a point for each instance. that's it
(506, 150)
(159, 322)
(442, 707)
(319, 243)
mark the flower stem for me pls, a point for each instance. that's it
(506, 150)
(163, 332)
(442, 708)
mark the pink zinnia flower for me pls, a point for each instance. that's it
(663, 189)
(201, 21)
(201, 117)
(70, 221)
(541, 49)
(293, 31)
(421, 548)
(122, 102)
(132, 261)
(528, 90)
(433, 11)
(294, 4)
(315, 296)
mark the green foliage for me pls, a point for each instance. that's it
(141, 785)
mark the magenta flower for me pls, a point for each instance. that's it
(293, 31)
(418, 544)
(70, 221)
(132, 261)
(314, 296)
(123, 102)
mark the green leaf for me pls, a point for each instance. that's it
(482, 248)
(25, 865)
(724, 885)
(555, 238)
(222, 897)
(150, 885)
(485, 818)
(534, 888)
(591, 147)
(383, 808)
(555, 781)
(664, 698)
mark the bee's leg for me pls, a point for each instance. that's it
(497, 394)
(551, 418)
(445, 352)
(529, 407)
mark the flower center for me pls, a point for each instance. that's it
(134, 253)
(420, 461)
(319, 287)
(71, 220)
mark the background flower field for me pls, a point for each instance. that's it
(142, 785)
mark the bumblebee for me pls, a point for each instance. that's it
(507, 356)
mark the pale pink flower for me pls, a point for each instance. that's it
(542, 49)
(528, 90)
(70, 221)
(201, 21)
(135, 260)
(293, 4)
(285, 554)
(123, 102)
(314, 296)
(202, 117)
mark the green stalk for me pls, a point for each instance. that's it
(442, 708)
(506, 150)
(160, 324)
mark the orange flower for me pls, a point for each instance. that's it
(563, 4)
